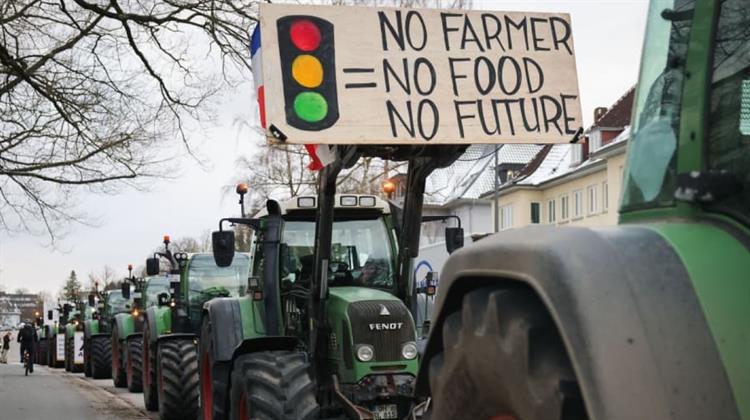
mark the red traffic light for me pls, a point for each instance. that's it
(305, 35)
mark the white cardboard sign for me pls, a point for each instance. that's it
(351, 75)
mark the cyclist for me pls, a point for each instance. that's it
(27, 337)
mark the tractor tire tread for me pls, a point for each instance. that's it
(134, 361)
(101, 357)
(178, 371)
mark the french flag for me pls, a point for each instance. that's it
(320, 154)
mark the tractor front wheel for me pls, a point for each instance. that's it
(503, 358)
(178, 379)
(100, 360)
(272, 385)
(87, 358)
(134, 363)
(118, 373)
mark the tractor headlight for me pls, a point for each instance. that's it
(409, 351)
(365, 353)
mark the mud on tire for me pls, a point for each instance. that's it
(503, 357)
(101, 357)
(178, 381)
(272, 385)
(134, 363)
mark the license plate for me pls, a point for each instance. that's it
(387, 411)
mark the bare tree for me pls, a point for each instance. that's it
(92, 92)
(103, 278)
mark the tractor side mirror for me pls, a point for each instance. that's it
(125, 288)
(162, 299)
(454, 238)
(152, 266)
(223, 247)
(92, 300)
(50, 315)
(137, 302)
(66, 309)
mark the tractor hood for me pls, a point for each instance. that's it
(362, 316)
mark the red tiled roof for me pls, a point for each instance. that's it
(618, 116)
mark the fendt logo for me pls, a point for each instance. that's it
(386, 326)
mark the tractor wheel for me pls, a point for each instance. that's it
(41, 352)
(118, 372)
(214, 378)
(68, 355)
(150, 397)
(101, 357)
(134, 363)
(503, 358)
(87, 358)
(272, 385)
(178, 379)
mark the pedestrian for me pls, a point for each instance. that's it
(27, 337)
(5, 348)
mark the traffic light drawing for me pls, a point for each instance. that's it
(308, 72)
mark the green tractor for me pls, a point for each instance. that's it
(322, 332)
(101, 344)
(73, 331)
(130, 327)
(648, 319)
(172, 326)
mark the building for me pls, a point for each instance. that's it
(571, 184)
(28, 304)
(10, 315)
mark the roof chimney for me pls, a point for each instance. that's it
(599, 112)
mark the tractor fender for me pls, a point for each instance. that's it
(150, 319)
(625, 308)
(267, 343)
(224, 312)
(90, 327)
(124, 324)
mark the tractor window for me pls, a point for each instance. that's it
(651, 152)
(360, 252)
(207, 280)
(728, 145)
(117, 303)
(154, 286)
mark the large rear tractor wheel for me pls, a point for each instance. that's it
(214, 378)
(134, 363)
(150, 397)
(503, 358)
(272, 385)
(118, 370)
(178, 379)
(68, 355)
(101, 357)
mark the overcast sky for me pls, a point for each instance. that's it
(607, 34)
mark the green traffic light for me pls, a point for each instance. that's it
(310, 106)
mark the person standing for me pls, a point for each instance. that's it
(5, 348)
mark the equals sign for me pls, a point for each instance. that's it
(359, 70)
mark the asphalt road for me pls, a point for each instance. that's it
(52, 394)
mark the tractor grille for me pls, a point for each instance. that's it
(387, 342)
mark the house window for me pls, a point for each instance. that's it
(577, 204)
(551, 211)
(564, 207)
(506, 216)
(595, 139)
(592, 196)
(576, 151)
(605, 196)
(536, 217)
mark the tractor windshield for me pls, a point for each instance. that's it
(728, 147)
(651, 155)
(206, 280)
(360, 253)
(116, 303)
(154, 286)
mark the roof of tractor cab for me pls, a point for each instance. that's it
(344, 202)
